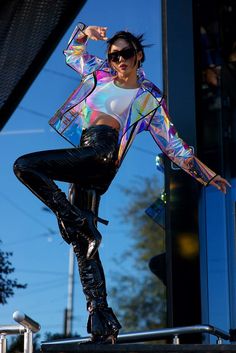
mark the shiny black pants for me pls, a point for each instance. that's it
(92, 165)
(90, 170)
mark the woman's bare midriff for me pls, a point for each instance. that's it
(105, 119)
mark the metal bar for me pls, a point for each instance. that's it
(132, 337)
(3, 344)
(12, 329)
(26, 321)
(28, 341)
(152, 335)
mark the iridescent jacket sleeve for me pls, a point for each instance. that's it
(166, 136)
(77, 56)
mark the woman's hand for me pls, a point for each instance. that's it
(96, 32)
(220, 183)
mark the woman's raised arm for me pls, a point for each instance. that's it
(96, 32)
(76, 53)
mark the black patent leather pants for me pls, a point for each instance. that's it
(88, 168)
(92, 165)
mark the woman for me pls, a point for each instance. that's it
(113, 103)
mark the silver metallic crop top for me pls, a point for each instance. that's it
(110, 99)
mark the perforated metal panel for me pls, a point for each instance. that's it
(29, 31)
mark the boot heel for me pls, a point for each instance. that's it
(92, 234)
(113, 337)
(102, 220)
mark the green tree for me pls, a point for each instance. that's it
(17, 344)
(7, 285)
(138, 295)
(57, 336)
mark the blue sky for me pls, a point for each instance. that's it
(40, 257)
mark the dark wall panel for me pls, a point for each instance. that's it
(182, 247)
(29, 32)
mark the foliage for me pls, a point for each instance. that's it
(139, 296)
(57, 336)
(7, 285)
(17, 344)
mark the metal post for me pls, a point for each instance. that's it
(3, 343)
(69, 311)
(28, 341)
(219, 340)
(176, 339)
(30, 326)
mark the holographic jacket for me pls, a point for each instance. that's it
(147, 111)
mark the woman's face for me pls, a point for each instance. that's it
(123, 58)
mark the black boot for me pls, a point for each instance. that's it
(87, 200)
(39, 176)
(74, 222)
(102, 322)
(70, 234)
(90, 232)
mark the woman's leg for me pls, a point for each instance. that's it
(102, 323)
(81, 165)
(39, 170)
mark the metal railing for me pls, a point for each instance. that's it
(137, 337)
(26, 327)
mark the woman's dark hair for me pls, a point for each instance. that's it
(135, 42)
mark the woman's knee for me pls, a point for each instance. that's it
(21, 165)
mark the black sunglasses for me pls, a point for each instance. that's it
(125, 53)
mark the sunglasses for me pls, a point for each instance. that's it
(125, 53)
